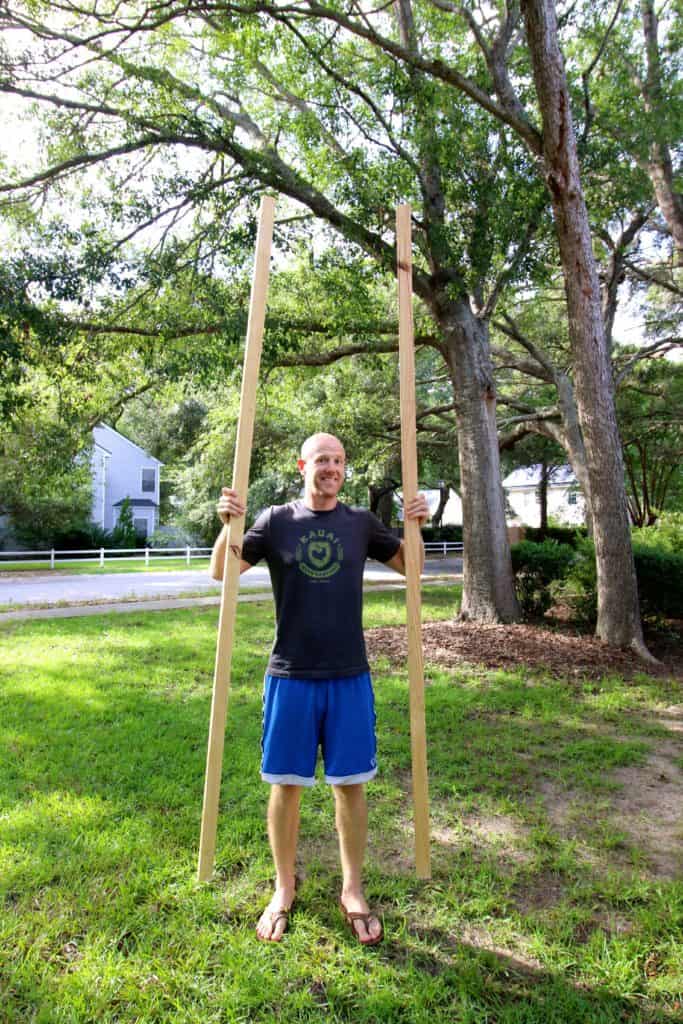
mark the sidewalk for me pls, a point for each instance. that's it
(160, 605)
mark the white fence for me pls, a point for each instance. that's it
(443, 547)
(102, 555)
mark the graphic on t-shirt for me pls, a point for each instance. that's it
(319, 554)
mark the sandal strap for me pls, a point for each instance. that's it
(275, 915)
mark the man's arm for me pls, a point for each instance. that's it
(228, 505)
(415, 509)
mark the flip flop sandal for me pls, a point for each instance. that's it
(275, 916)
(352, 916)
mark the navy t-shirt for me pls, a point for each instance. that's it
(316, 562)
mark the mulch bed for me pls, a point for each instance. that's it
(560, 650)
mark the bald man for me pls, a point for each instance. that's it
(317, 690)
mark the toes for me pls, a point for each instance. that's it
(271, 926)
(369, 931)
(265, 929)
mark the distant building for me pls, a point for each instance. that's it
(452, 513)
(565, 500)
(120, 470)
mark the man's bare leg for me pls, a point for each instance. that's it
(283, 832)
(352, 826)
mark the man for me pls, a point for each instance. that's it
(317, 686)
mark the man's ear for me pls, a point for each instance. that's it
(301, 465)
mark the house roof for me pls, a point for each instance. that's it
(104, 427)
(530, 476)
(137, 503)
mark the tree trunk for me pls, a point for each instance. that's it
(573, 442)
(543, 497)
(659, 164)
(488, 591)
(618, 610)
(443, 501)
(382, 501)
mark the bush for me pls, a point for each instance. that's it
(665, 535)
(81, 537)
(571, 535)
(660, 583)
(579, 588)
(536, 566)
(172, 537)
(123, 535)
(447, 533)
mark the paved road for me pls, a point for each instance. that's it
(51, 589)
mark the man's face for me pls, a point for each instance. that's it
(322, 466)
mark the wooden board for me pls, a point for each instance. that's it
(412, 542)
(231, 573)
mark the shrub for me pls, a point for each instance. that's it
(660, 583)
(172, 537)
(579, 588)
(536, 566)
(571, 535)
(665, 535)
(83, 537)
(448, 533)
(123, 535)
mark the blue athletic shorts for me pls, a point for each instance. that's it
(300, 715)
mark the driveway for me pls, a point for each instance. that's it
(52, 589)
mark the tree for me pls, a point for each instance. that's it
(45, 485)
(649, 407)
(618, 611)
(277, 102)
(637, 106)
(274, 135)
(124, 534)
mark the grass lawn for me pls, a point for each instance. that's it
(542, 906)
(111, 565)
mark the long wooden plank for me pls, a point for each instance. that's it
(231, 573)
(412, 541)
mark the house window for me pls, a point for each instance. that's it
(140, 527)
(149, 479)
(571, 498)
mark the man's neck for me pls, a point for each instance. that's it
(319, 502)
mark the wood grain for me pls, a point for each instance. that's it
(412, 542)
(231, 573)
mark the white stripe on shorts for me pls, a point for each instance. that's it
(287, 780)
(350, 780)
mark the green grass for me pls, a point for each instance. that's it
(103, 725)
(111, 565)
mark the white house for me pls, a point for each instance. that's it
(120, 470)
(452, 513)
(565, 500)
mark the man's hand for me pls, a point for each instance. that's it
(229, 505)
(418, 509)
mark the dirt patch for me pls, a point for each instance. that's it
(561, 651)
(501, 833)
(650, 809)
(647, 809)
(543, 889)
